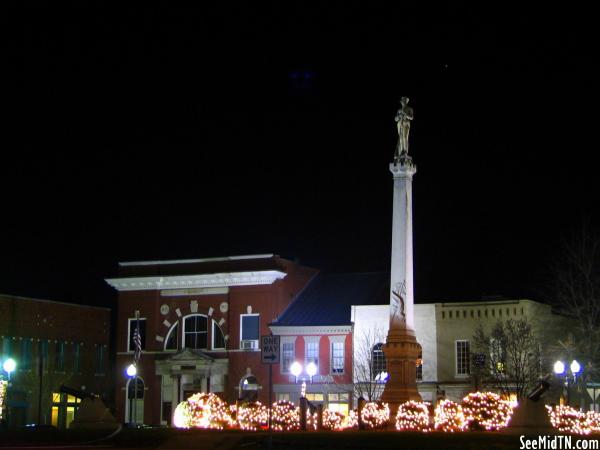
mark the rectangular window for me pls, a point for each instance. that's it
(287, 356)
(218, 340)
(312, 353)
(283, 396)
(100, 352)
(59, 356)
(462, 358)
(133, 323)
(6, 341)
(76, 357)
(249, 331)
(44, 354)
(25, 354)
(337, 357)
(314, 397)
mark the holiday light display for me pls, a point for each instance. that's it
(486, 410)
(285, 416)
(412, 416)
(375, 415)
(449, 417)
(252, 416)
(569, 420)
(3, 387)
(351, 420)
(202, 410)
(333, 420)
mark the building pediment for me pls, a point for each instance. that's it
(190, 355)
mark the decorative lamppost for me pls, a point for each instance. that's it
(132, 374)
(570, 375)
(311, 371)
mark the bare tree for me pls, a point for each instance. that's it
(576, 292)
(368, 363)
(512, 357)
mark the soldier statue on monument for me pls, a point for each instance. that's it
(403, 117)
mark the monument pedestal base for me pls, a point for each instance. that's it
(401, 352)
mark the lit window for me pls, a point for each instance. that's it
(171, 341)
(218, 340)
(287, 356)
(337, 357)
(497, 356)
(195, 332)
(338, 402)
(312, 353)
(249, 324)
(378, 360)
(133, 324)
(314, 397)
(462, 358)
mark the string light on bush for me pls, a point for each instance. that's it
(351, 420)
(252, 416)
(285, 416)
(3, 387)
(449, 417)
(203, 410)
(569, 420)
(412, 416)
(334, 420)
(486, 410)
(375, 415)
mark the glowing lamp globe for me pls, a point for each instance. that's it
(296, 368)
(131, 370)
(311, 369)
(575, 367)
(9, 365)
(559, 367)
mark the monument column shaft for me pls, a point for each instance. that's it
(402, 245)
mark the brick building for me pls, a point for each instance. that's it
(200, 321)
(54, 344)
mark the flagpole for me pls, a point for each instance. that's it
(136, 358)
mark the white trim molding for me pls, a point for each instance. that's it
(196, 281)
(307, 330)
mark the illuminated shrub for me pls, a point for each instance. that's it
(334, 420)
(202, 411)
(569, 420)
(486, 410)
(449, 417)
(285, 416)
(375, 415)
(412, 416)
(351, 420)
(252, 416)
(3, 386)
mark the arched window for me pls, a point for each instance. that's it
(195, 332)
(134, 403)
(218, 339)
(378, 360)
(171, 342)
(249, 388)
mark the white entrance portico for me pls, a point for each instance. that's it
(185, 373)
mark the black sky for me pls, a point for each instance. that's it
(157, 133)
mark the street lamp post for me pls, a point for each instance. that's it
(311, 371)
(561, 370)
(132, 374)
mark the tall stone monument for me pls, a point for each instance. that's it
(402, 349)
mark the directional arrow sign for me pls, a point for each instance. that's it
(269, 347)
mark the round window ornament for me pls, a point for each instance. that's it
(224, 306)
(164, 309)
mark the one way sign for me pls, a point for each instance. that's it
(269, 347)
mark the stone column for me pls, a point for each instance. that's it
(174, 396)
(401, 349)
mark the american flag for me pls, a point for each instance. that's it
(137, 341)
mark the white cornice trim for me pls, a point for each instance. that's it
(196, 281)
(192, 261)
(302, 330)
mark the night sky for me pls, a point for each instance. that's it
(133, 134)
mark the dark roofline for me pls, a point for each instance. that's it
(43, 300)
(312, 279)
